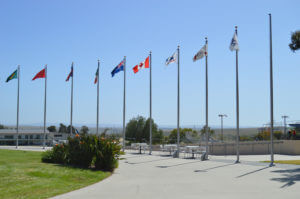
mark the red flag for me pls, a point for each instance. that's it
(70, 74)
(96, 77)
(144, 64)
(41, 74)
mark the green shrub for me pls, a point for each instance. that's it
(56, 155)
(107, 154)
(86, 151)
(81, 150)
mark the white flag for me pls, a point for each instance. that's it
(201, 53)
(171, 59)
(234, 45)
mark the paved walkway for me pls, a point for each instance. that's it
(26, 148)
(161, 177)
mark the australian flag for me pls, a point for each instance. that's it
(171, 59)
(118, 68)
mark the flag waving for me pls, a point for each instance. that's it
(70, 74)
(234, 45)
(14, 75)
(141, 65)
(96, 77)
(201, 53)
(171, 59)
(118, 68)
(41, 74)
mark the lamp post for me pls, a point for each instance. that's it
(284, 123)
(222, 133)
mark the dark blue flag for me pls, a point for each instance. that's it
(118, 68)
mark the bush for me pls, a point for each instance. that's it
(81, 150)
(107, 154)
(56, 155)
(86, 151)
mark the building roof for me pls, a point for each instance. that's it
(22, 131)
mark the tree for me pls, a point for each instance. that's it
(74, 131)
(103, 134)
(62, 128)
(295, 41)
(84, 130)
(1, 126)
(134, 129)
(210, 131)
(173, 135)
(51, 128)
(138, 130)
(157, 137)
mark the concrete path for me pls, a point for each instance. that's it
(161, 177)
(26, 148)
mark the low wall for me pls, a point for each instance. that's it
(285, 147)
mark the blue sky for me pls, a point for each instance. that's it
(34, 33)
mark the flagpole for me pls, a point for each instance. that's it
(124, 103)
(271, 94)
(206, 115)
(150, 57)
(98, 97)
(71, 116)
(45, 102)
(17, 143)
(178, 103)
(237, 107)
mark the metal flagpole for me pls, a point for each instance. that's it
(271, 94)
(17, 143)
(124, 103)
(178, 103)
(150, 94)
(206, 112)
(237, 107)
(45, 102)
(98, 97)
(71, 116)
(284, 123)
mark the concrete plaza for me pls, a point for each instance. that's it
(160, 177)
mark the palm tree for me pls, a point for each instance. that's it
(295, 41)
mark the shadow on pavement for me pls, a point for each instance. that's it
(289, 177)
(175, 165)
(253, 172)
(148, 161)
(205, 170)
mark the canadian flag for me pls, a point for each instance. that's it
(144, 64)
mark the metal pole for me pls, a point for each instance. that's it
(17, 143)
(178, 103)
(284, 123)
(222, 134)
(45, 107)
(71, 117)
(206, 100)
(150, 57)
(97, 131)
(222, 129)
(237, 107)
(271, 94)
(124, 104)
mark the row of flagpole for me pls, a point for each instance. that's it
(148, 64)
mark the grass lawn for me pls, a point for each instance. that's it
(23, 175)
(297, 162)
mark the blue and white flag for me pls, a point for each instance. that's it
(118, 68)
(234, 45)
(171, 59)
